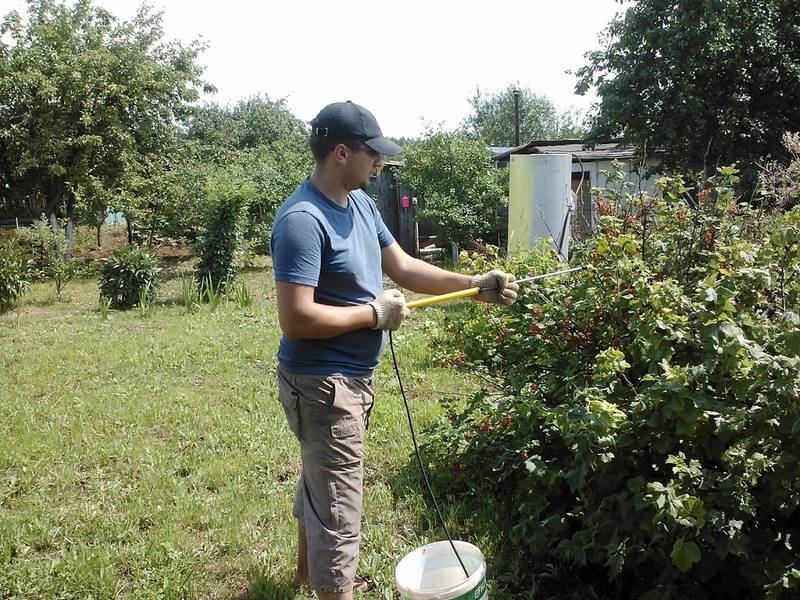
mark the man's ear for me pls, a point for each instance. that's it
(341, 153)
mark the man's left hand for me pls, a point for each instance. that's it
(497, 287)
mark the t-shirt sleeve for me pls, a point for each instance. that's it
(296, 244)
(385, 238)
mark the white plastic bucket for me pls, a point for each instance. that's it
(434, 573)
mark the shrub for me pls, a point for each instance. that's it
(781, 182)
(644, 432)
(126, 274)
(224, 232)
(13, 274)
(47, 248)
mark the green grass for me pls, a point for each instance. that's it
(149, 457)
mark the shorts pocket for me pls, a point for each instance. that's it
(331, 427)
(346, 427)
(346, 430)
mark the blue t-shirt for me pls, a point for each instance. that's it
(337, 251)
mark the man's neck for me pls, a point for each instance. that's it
(332, 188)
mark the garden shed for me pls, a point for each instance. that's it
(589, 164)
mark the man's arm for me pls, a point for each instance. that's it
(417, 275)
(301, 317)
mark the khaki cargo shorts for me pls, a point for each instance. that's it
(329, 415)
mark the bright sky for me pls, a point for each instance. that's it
(411, 62)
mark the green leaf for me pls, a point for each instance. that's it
(685, 554)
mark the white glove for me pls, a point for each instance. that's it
(497, 287)
(390, 310)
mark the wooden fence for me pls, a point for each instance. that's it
(401, 222)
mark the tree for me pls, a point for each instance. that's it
(492, 118)
(457, 182)
(261, 139)
(265, 122)
(708, 83)
(165, 192)
(275, 171)
(84, 99)
(250, 123)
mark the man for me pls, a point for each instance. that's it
(330, 249)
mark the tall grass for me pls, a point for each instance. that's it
(210, 293)
(145, 303)
(243, 296)
(104, 304)
(190, 296)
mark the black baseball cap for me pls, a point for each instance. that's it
(348, 120)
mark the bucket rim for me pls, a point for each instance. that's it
(478, 575)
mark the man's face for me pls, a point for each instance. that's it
(363, 163)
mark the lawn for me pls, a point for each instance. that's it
(148, 457)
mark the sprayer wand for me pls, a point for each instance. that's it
(471, 292)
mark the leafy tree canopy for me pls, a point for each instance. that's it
(403, 141)
(709, 82)
(84, 98)
(250, 123)
(259, 141)
(492, 117)
(457, 182)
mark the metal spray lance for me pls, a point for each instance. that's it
(470, 292)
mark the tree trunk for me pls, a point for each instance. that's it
(53, 222)
(152, 232)
(18, 201)
(55, 229)
(130, 230)
(706, 168)
(70, 230)
(99, 225)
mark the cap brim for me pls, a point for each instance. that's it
(384, 146)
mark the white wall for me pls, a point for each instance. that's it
(637, 177)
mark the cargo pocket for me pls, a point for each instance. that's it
(346, 440)
(290, 400)
(346, 427)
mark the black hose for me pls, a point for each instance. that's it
(419, 458)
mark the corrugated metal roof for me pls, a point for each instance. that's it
(611, 150)
(614, 149)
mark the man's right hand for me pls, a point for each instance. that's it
(390, 310)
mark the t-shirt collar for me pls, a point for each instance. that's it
(327, 200)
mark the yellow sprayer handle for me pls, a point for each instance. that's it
(468, 293)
